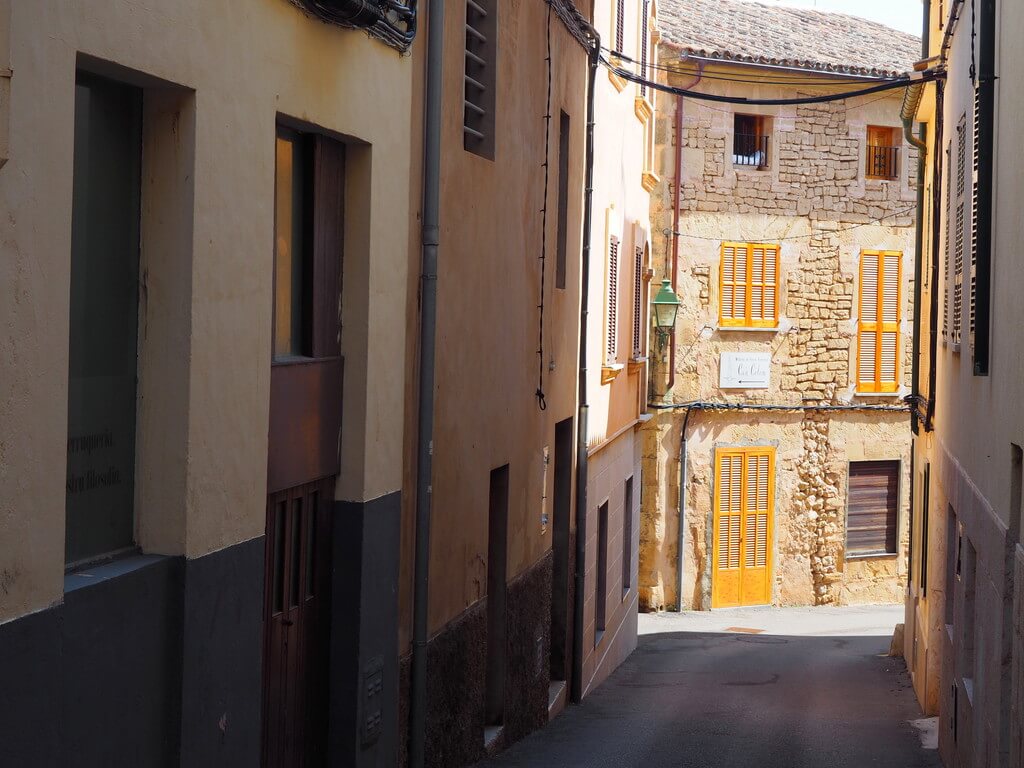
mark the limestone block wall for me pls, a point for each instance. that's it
(814, 201)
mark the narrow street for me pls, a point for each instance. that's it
(814, 689)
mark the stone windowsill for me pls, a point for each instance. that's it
(873, 556)
(609, 372)
(649, 181)
(90, 575)
(618, 80)
(900, 393)
(745, 329)
(643, 109)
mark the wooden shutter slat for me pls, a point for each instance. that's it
(872, 502)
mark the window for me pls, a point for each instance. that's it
(627, 537)
(878, 326)
(750, 141)
(620, 24)
(883, 153)
(947, 304)
(639, 327)
(601, 582)
(562, 234)
(293, 246)
(748, 285)
(479, 79)
(612, 303)
(104, 320)
(972, 310)
(872, 508)
(645, 10)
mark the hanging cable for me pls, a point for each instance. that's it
(885, 86)
(542, 402)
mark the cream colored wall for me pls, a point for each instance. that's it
(244, 69)
(486, 413)
(621, 207)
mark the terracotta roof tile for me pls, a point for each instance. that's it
(742, 31)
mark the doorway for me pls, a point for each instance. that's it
(559, 660)
(497, 594)
(743, 519)
(305, 425)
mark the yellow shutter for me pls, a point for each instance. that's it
(748, 283)
(878, 331)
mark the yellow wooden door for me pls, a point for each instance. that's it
(743, 518)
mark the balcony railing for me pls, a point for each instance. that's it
(883, 162)
(750, 150)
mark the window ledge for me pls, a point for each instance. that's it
(649, 181)
(643, 109)
(609, 372)
(637, 364)
(89, 576)
(873, 556)
(618, 80)
(746, 329)
(897, 393)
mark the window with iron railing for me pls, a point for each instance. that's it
(883, 153)
(750, 143)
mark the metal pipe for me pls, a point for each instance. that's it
(677, 204)
(576, 689)
(430, 242)
(682, 511)
(933, 303)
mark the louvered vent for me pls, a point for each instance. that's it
(612, 302)
(479, 77)
(638, 303)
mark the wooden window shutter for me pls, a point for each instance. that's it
(872, 507)
(620, 24)
(946, 283)
(644, 12)
(730, 494)
(748, 283)
(612, 301)
(974, 218)
(878, 332)
(756, 538)
(638, 303)
(958, 275)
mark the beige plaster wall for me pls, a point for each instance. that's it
(232, 73)
(486, 412)
(813, 201)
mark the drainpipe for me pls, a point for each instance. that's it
(911, 103)
(933, 303)
(675, 216)
(682, 511)
(576, 689)
(430, 240)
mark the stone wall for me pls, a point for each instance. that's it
(814, 201)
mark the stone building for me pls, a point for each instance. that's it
(965, 600)
(788, 233)
(207, 217)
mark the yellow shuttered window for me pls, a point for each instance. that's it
(878, 329)
(748, 282)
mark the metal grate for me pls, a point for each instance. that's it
(612, 345)
(644, 43)
(620, 24)
(638, 305)
(883, 162)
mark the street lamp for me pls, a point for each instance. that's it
(666, 306)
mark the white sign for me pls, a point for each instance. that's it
(744, 370)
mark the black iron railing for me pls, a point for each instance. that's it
(883, 162)
(750, 150)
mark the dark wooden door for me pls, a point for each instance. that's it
(306, 379)
(297, 600)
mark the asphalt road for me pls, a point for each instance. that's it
(694, 696)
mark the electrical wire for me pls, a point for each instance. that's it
(885, 86)
(542, 402)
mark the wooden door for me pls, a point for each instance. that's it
(297, 594)
(306, 378)
(743, 519)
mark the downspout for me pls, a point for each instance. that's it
(682, 511)
(933, 303)
(911, 103)
(676, 216)
(430, 240)
(581, 420)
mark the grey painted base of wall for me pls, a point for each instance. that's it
(364, 672)
(456, 674)
(149, 661)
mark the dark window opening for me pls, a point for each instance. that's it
(560, 610)
(627, 537)
(601, 582)
(872, 508)
(750, 141)
(925, 525)
(480, 77)
(104, 320)
(562, 234)
(497, 589)
(883, 153)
